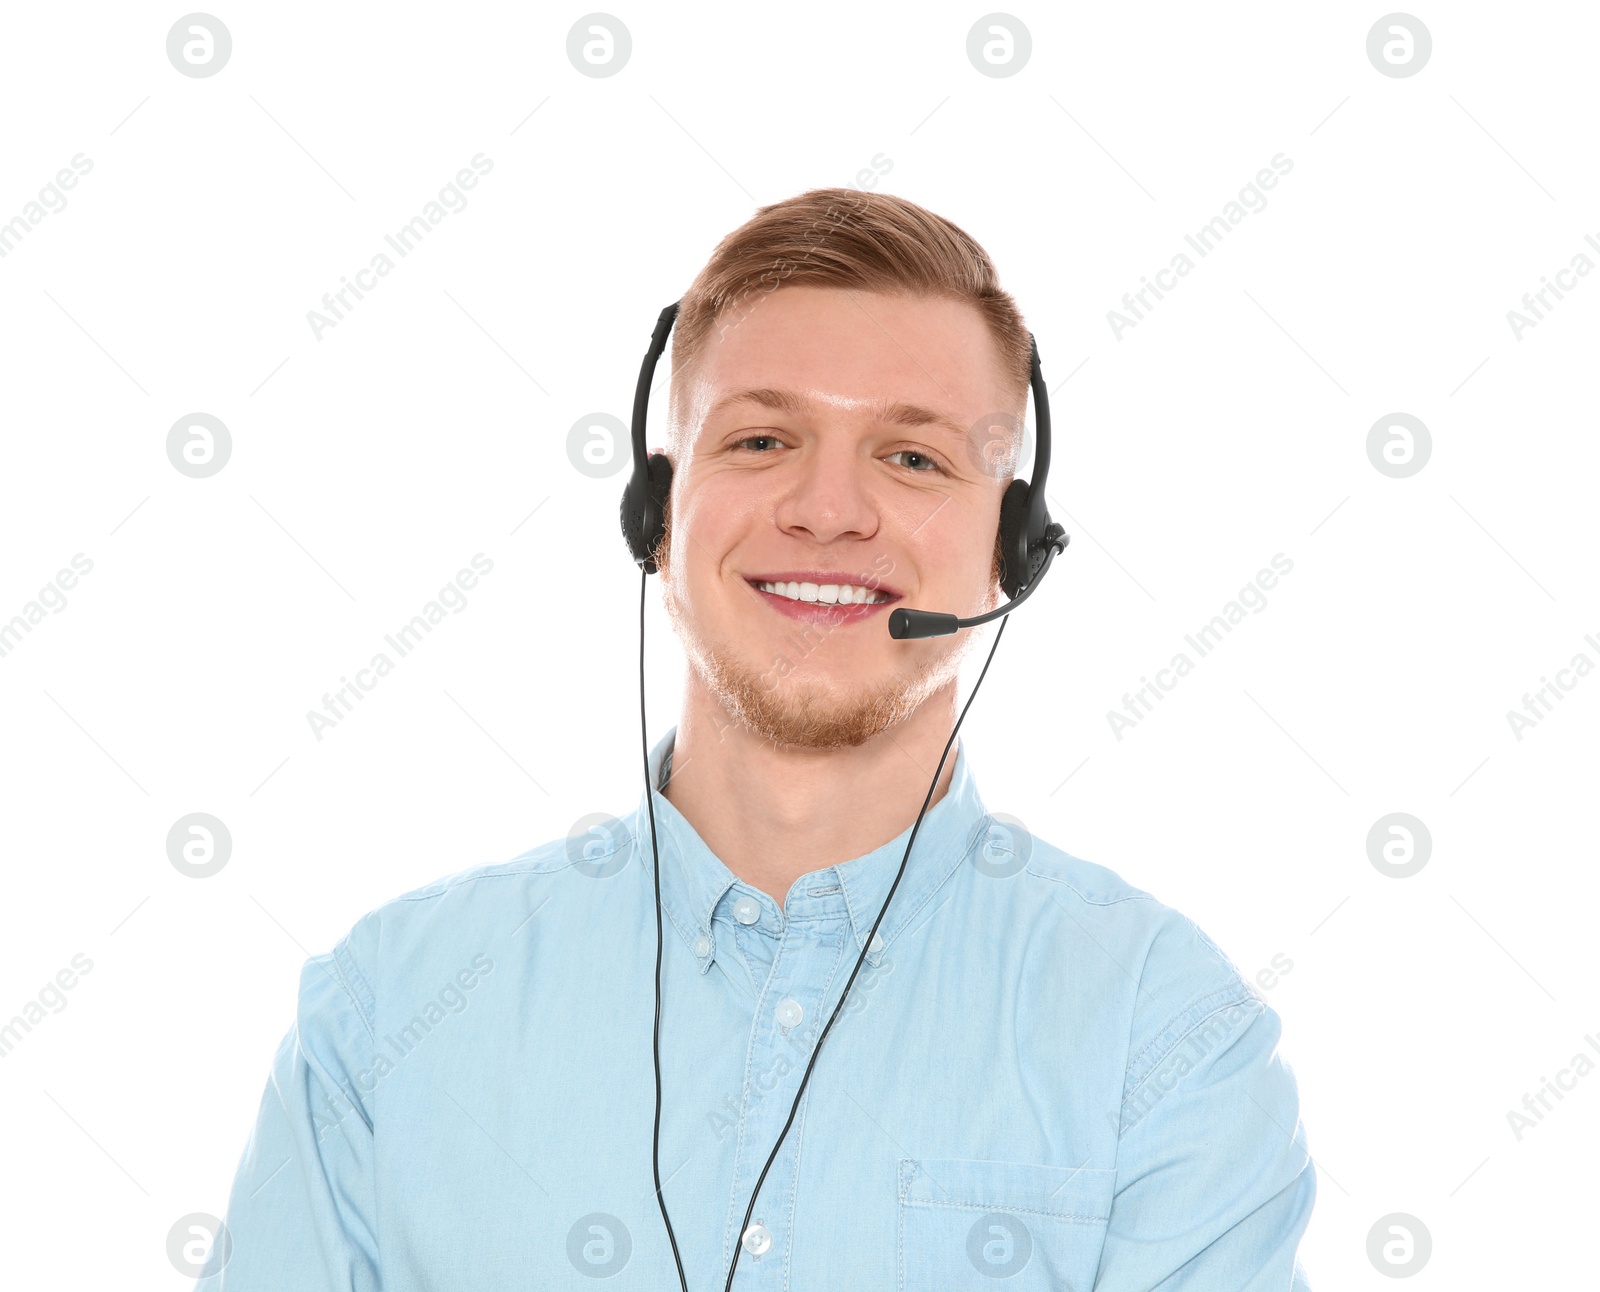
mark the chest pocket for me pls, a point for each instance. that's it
(975, 1226)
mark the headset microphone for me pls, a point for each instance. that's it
(1028, 541)
(930, 623)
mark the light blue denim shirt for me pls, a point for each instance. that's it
(1043, 1079)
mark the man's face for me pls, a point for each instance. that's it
(833, 438)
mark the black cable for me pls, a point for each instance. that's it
(650, 803)
(937, 772)
(655, 1148)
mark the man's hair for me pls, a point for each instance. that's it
(843, 238)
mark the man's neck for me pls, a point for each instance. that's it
(775, 813)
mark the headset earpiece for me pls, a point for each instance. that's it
(644, 510)
(644, 497)
(1016, 567)
(1027, 533)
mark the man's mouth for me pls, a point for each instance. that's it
(826, 594)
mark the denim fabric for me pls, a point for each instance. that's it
(1043, 1078)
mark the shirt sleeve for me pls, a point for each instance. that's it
(301, 1215)
(1215, 1183)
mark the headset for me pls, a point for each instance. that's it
(1028, 541)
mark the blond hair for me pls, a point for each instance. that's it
(844, 238)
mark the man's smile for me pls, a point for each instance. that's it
(820, 595)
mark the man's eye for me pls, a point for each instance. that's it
(914, 461)
(759, 443)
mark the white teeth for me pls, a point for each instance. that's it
(828, 594)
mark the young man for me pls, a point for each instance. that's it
(1041, 1078)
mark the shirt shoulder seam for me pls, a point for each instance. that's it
(347, 972)
(439, 887)
(1181, 1025)
(1132, 895)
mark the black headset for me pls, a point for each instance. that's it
(1029, 540)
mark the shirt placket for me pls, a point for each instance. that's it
(788, 1019)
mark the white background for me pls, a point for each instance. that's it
(431, 423)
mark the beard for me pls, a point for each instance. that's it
(789, 709)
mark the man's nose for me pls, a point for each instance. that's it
(830, 496)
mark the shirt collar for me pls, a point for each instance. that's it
(694, 879)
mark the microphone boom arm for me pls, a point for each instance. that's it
(905, 624)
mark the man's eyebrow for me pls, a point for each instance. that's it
(782, 401)
(889, 412)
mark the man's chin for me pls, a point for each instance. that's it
(825, 726)
(796, 712)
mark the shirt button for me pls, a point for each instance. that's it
(790, 1013)
(876, 945)
(757, 1239)
(702, 946)
(747, 911)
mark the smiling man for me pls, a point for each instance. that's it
(826, 443)
(1032, 1075)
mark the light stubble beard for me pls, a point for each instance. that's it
(794, 711)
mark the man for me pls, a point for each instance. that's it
(1042, 1078)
